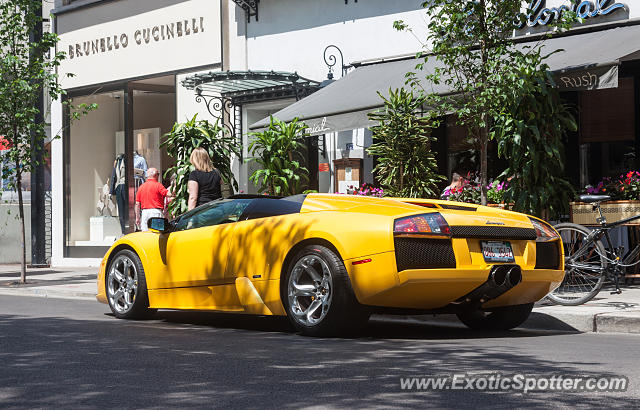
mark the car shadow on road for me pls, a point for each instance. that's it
(379, 327)
(190, 359)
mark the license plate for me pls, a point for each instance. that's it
(497, 251)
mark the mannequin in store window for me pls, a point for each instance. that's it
(118, 188)
(139, 168)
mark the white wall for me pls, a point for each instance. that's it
(291, 35)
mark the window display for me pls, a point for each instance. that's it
(96, 215)
(99, 194)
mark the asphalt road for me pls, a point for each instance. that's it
(73, 353)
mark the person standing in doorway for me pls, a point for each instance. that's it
(150, 199)
(205, 182)
(456, 183)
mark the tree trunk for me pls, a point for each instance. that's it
(484, 147)
(23, 248)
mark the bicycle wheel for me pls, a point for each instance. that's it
(584, 266)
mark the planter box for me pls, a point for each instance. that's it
(614, 211)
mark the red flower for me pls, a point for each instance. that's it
(629, 174)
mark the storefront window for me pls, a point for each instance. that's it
(607, 132)
(100, 202)
(96, 185)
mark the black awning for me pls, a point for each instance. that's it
(588, 61)
(251, 86)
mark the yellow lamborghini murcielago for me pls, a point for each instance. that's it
(329, 261)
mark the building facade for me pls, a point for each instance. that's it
(150, 63)
(128, 57)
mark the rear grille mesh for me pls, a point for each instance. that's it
(493, 232)
(419, 253)
(547, 255)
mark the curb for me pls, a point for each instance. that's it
(49, 293)
(609, 322)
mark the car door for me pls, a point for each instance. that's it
(198, 248)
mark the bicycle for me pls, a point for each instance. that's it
(587, 262)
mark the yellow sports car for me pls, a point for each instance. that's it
(329, 261)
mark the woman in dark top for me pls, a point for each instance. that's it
(205, 183)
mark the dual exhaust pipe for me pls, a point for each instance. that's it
(501, 279)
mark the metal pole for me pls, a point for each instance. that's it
(38, 228)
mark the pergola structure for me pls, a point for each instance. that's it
(224, 92)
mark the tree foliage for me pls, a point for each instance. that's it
(182, 140)
(277, 150)
(477, 61)
(402, 144)
(530, 136)
(27, 71)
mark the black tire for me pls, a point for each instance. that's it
(337, 311)
(126, 287)
(579, 285)
(503, 318)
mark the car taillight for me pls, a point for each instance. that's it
(544, 231)
(426, 224)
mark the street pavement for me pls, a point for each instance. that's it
(606, 313)
(57, 353)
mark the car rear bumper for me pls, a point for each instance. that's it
(379, 284)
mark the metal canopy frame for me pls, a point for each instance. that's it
(224, 92)
(251, 86)
(250, 8)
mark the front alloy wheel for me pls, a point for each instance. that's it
(126, 287)
(122, 284)
(310, 290)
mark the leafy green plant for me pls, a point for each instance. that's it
(530, 137)
(402, 144)
(277, 151)
(28, 73)
(478, 63)
(182, 140)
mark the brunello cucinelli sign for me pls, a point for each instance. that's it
(180, 37)
(142, 36)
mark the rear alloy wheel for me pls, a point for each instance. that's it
(127, 288)
(502, 318)
(319, 298)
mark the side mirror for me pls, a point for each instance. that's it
(159, 225)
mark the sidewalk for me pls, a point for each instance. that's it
(64, 283)
(605, 313)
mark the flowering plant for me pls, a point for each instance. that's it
(366, 190)
(495, 192)
(627, 186)
(469, 192)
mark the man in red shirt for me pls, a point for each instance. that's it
(150, 199)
